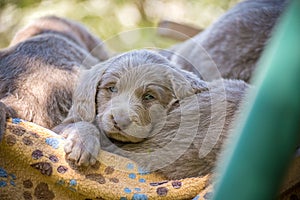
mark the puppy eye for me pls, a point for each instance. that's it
(148, 97)
(112, 89)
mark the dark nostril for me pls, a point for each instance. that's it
(115, 123)
(113, 119)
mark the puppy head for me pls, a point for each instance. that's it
(129, 95)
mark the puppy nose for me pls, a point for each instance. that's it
(121, 120)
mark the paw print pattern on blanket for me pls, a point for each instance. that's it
(33, 166)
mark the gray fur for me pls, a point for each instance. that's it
(197, 107)
(230, 47)
(199, 117)
(70, 30)
(39, 71)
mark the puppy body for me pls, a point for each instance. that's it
(39, 71)
(230, 47)
(160, 116)
(193, 134)
(132, 93)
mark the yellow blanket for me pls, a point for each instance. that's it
(33, 166)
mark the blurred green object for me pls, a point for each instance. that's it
(269, 132)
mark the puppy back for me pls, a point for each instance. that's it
(66, 28)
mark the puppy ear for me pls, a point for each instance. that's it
(186, 84)
(84, 105)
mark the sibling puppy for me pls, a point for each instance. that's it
(142, 103)
(39, 70)
(68, 29)
(230, 47)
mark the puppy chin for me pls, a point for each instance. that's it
(123, 137)
(134, 133)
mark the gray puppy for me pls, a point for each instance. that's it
(230, 47)
(39, 70)
(140, 106)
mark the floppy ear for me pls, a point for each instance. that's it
(186, 83)
(83, 107)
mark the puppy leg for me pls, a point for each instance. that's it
(5, 113)
(83, 143)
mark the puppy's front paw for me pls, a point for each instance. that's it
(82, 149)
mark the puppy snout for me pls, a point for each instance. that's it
(121, 121)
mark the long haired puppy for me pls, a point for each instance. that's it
(134, 104)
(231, 46)
(39, 71)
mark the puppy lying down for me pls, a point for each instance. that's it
(140, 106)
(40, 68)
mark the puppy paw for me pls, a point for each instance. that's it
(82, 149)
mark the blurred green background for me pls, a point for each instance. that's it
(123, 24)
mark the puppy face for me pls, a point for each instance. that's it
(131, 100)
(130, 95)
